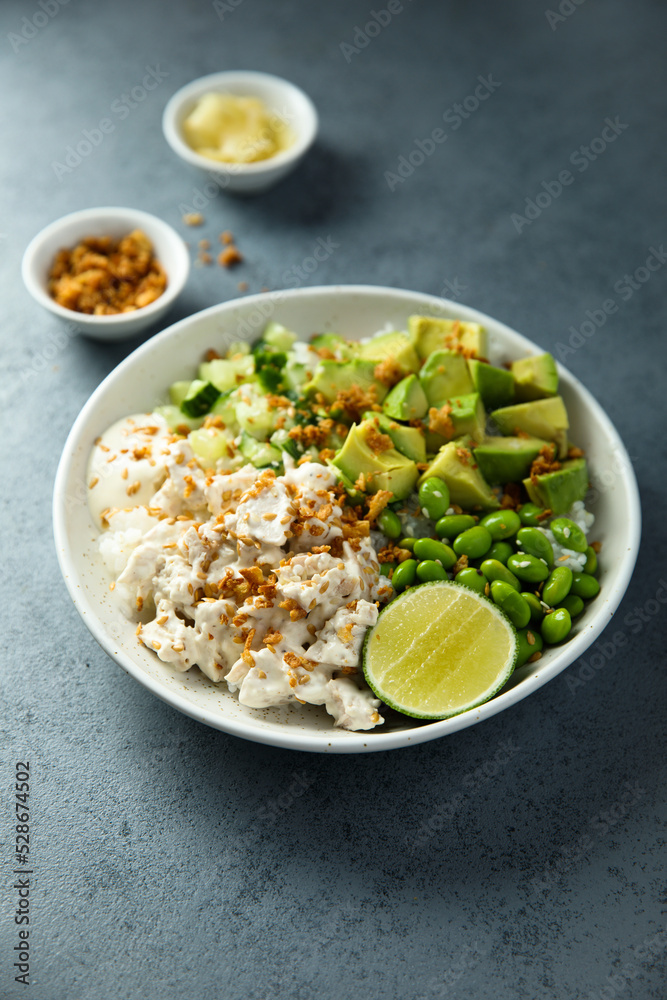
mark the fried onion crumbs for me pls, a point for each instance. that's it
(230, 257)
(440, 421)
(545, 462)
(193, 219)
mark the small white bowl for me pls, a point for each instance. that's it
(279, 96)
(169, 248)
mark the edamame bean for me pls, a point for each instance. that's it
(386, 568)
(511, 602)
(557, 586)
(529, 514)
(501, 524)
(591, 564)
(584, 585)
(428, 570)
(429, 548)
(495, 570)
(474, 542)
(404, 575)
(390, 524)
(472, 578)
(535, 605)
(434, 497)
(529, 642)
(452, 525)
(535, 543)
(500, 551)
(527, 567)
(568, 534)
(573, 604)
(556, 626)
(407, 543)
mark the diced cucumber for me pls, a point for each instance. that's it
(259, 453)
(225, 408)
(227, 373)
(200, 398)
(238, 347)
(281, 439)
(212, 444)
(176, 418)
(178, 391)
(254, 415)
(279, 336)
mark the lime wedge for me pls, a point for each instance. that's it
(438, 650)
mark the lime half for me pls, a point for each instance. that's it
(438, 650)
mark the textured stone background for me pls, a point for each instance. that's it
(165, 868)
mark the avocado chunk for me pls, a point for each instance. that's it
(461, 415)
(535, 377)
(384, 469)
(394, 345)
(560, 489)
(332, 377)
(407, 400)
(455, 464)
(444, 376)
(429, 334)
(495, 385)
(409, 441)
(341, 349)
(542, 418)
(507, 459)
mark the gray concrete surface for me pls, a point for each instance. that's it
(522, 858)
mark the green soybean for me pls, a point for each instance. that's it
(429, 548)
(407, 543)
(404, 574)
(386, 568)
(500, 551)
(568, 534)
(556, 626)
(584, 585)
(528, 567)
(535, 543)
(472, 578)
(434, 497)
(557, 586)
(390, 524)
(591, 564)
(474, 542)
(529, 642)
(501, 524)
(511, 602)
(535, 605)
(495, 570)
(573, 604)
(428, 570)
(452, 525)
(529, 514)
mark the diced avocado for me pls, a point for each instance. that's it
(200, 398)
(382, 470)
(507, 459)
(278, 336)
(542, 418)
(462, 415)
(535, 377)
(341, 349)
(354, 495)
(226, 373)
(178, 391)
(455, 464)
(559, 490)
(332, 377)
(429, 334)
(444, 376)
(409, 441)
(407, 400)
(394, 345)
(495, 385)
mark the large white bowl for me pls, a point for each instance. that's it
(140, 381)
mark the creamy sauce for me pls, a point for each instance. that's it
(235, 129)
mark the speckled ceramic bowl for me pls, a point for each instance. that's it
(357, 311)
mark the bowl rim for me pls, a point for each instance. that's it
(135, 216)
(213, 81)
(358, 742)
